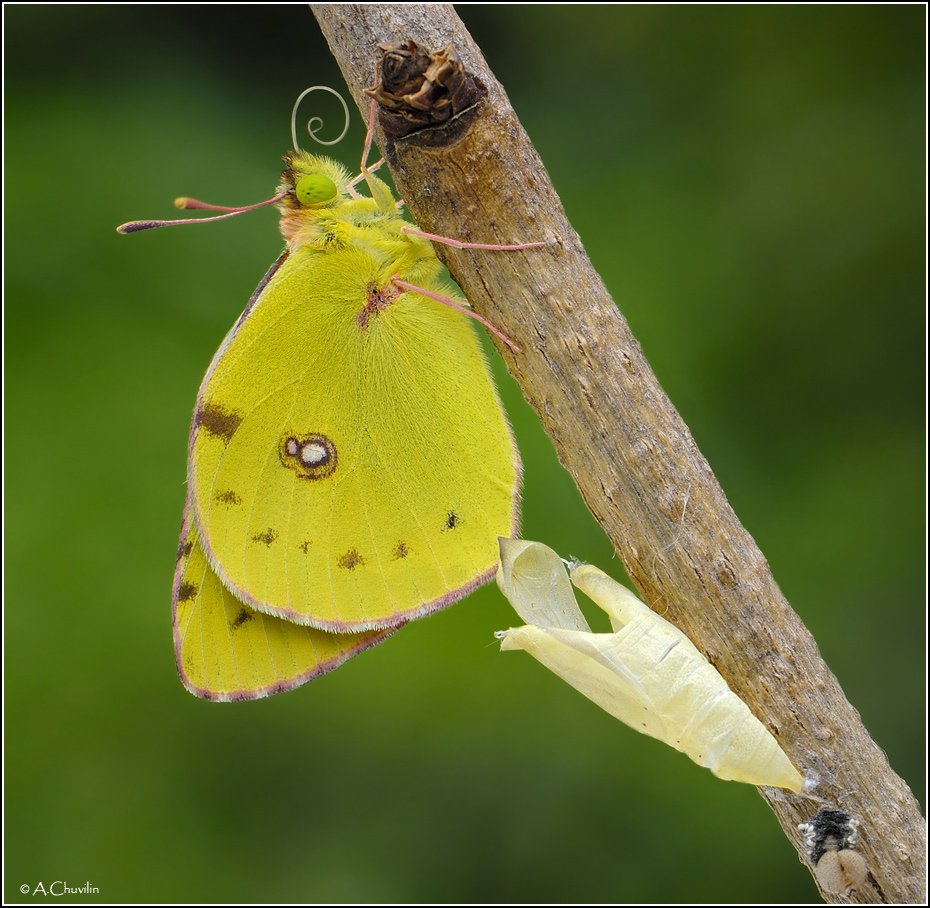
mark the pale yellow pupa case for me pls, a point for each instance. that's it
(645, 673)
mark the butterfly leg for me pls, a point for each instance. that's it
(364, 170)
(369, 136)
(379, 190)
(459, 244)
(422, 291)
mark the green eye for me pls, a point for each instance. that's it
(314, 188)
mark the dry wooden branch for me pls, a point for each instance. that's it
(625, 445)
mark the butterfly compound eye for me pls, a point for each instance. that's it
(314, 188)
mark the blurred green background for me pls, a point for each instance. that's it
(750, 183)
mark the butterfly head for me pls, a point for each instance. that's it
(313, 182)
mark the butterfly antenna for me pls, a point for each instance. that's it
(196, 204)
(314, 124)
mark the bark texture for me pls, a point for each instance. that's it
(625, 445)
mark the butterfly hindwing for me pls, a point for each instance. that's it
(227, 651)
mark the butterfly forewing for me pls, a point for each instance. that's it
(350, 464)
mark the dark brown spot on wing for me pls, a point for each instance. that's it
(228, 497)
(400, 550)
(184, 549)
(243, 616)
(218, 421)
(305, 546)
(452, 521)
(187, 590)
(351, 560)
(267, 537)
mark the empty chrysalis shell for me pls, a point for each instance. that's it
(646, 673)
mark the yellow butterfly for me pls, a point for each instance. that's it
(350, 465)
